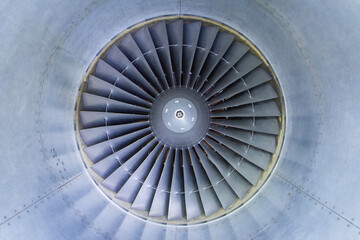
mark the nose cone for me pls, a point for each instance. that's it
(179, 115)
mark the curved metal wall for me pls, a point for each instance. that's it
(46, 47)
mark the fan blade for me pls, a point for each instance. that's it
(262, 109)
(106, 166)
(146, 194)
(249, 172)
(132, 186)
(238, 183)
(177, 198)
(111, 75)
(191, 36)
(255, 78)
(95, 119)
(235, 52)
(143, 39)
(102, 88)
(132, 159)
(246, 64)
(103, 149)
(258, 94)
(222, 189)
(93, 102)
(262, 125)
(221, 44)
(131, 50)
(193, 204)
(206, 40)
(160, 38)
(160, 204)
(209, 200)
(95, 135)
(175, 36)
(265, 142)
(256, 156)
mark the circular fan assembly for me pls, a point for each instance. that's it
(180, 120)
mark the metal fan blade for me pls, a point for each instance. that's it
(103, 149)
(160, 204)
(209, 200)
(236, 161)
(223, 191)
(245, 65)
(146, 194)
(143, 39)
(262, 109)
(193, 204)
(102, 88)
(132, 51)
(258, 94)
(235, 52)
(262, 125)
(265, 142)
(221, 43)
(205, 42)
(175, 36)
(256, 156)
(111, 75)
(93, 102)
(160, 38)
(191, 36)
(132, 160)
(95, 135)
(132, 186)
(177, 198)
(107, 165)
(237, 183)
(253, 79)
(91, 119)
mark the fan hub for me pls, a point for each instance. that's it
(180, 117)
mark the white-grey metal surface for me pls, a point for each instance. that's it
(46, 47)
